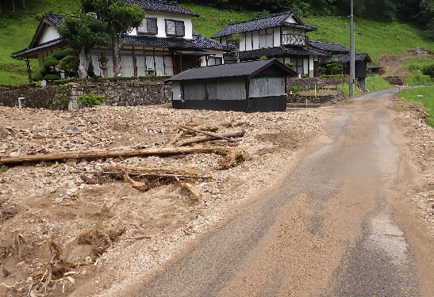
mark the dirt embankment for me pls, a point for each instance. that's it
(91, 227)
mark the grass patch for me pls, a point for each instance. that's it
(375, 38)
(17, 30)
(427, 101)
(346, 89)
(212, 20)
(377, 83)
(415, 66)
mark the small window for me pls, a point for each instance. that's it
(149, 26)
(175, 28)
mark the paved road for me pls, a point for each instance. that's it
(329, 231)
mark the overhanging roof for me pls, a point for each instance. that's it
(244, 69)
(29, 51)
(345, 58)
(273, 52)
(272, 21)
(162, 6)
(330, 47)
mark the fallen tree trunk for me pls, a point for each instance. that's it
(113, 154)
(209, 134)
(207, 138)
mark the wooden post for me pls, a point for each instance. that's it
(29, 70)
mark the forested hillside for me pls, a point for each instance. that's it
(389, 36)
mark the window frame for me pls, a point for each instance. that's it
(147, 32)
(175, 25)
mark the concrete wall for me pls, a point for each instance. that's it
(123, 93)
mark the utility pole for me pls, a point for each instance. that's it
(353, 51)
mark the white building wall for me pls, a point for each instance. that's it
(276, 37)
(161, 24)
(291, 19)
(243, 41)
(249, 41)
(255, 39)
(311, 66)
(50, 33)
(305, 66)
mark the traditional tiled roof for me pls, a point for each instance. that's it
(162, 6)
(272, 21)
(244, 69)
(37, 48)
(55, 18)
(331, 47)
(198, 42)
(272, 52)
(345, 58)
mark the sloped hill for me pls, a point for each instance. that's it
(376, 38)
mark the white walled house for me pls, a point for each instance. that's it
(165, 44)
(282, 36)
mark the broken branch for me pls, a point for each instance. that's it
(208, 133)
(208, 138)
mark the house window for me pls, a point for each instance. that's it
(149, 26)
(266, 38)
(175, 28)
(214, 61)
(298, 65)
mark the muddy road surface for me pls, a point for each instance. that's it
(338, 225)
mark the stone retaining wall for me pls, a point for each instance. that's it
(125, 93)
(329, 98)
(312, 82)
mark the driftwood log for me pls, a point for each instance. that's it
(209, 134)
(208, 138)
(113, 154)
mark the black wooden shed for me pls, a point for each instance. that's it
(248, 86)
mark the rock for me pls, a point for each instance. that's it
(6, 273)
(58, 200)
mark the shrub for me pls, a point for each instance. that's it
(38, 76)
(91, 100)
(52, 76)
(295, 89)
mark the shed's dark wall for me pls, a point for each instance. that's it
(277, 103)
(361, 69)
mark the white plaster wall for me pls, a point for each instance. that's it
(161, 24)
(243, 41)
(50, 33)
(311, 66)
(176, 91)
(249, 41)
(223, 40)
(291, 19)
(255, 39)
(276, 37)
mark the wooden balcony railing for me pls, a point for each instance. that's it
(294, 39)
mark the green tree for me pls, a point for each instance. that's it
(120, 18)
(82, 33)
(334, 67)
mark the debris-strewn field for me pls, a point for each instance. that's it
(142, 183)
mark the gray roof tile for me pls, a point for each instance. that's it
(273, 52)
(272, 21)
(162, 6)
(198, 42)
(345, 58)
(244, 69)
(330, 47)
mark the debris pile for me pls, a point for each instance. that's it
(106, 188)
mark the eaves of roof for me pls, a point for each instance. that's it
(273, 52)
(244, 69)
(162, 6)
(345, 58)
(272, 21)
(28, 51)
